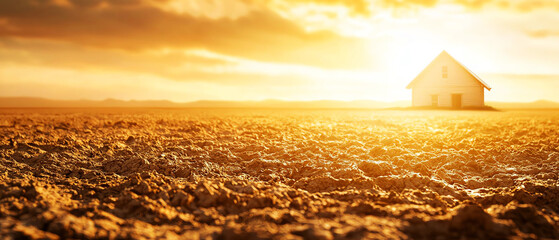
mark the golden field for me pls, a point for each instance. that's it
(280, 174)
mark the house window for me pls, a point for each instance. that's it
(434, 100)
(445, 71)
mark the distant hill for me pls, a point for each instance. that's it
(29, 102)
(540, 104)
(298, 104)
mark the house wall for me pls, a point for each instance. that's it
(471, 96)
(459, 81)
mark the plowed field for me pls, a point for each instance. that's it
(281, 174)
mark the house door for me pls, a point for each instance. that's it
(456, 100)
(434, 100)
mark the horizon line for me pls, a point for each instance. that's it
(254, 101)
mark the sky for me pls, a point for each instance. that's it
(272, 49)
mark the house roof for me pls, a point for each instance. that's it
(444, 53)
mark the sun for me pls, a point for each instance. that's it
(414, 53)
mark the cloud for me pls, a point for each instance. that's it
(139, 26)
(136, 26)
(408, 3)
(530, 5)
(514, 5)
(60, 54)
(543, 33)
(478, 4)
(356, 7)
(181, 66)
(86, 3)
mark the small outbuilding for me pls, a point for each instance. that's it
(445, 82)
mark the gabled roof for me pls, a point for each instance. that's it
(443, 54)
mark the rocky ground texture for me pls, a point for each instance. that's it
(278, 174)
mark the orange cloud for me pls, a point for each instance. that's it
(530, 5)
(408, 3)
(139, 26)
(356, 7)
(476, 4)
(260, 35)
(543, 33)
(523, 5)
(174, 65)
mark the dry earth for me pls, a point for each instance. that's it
(280, 174)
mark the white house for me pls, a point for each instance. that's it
(447, 83)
